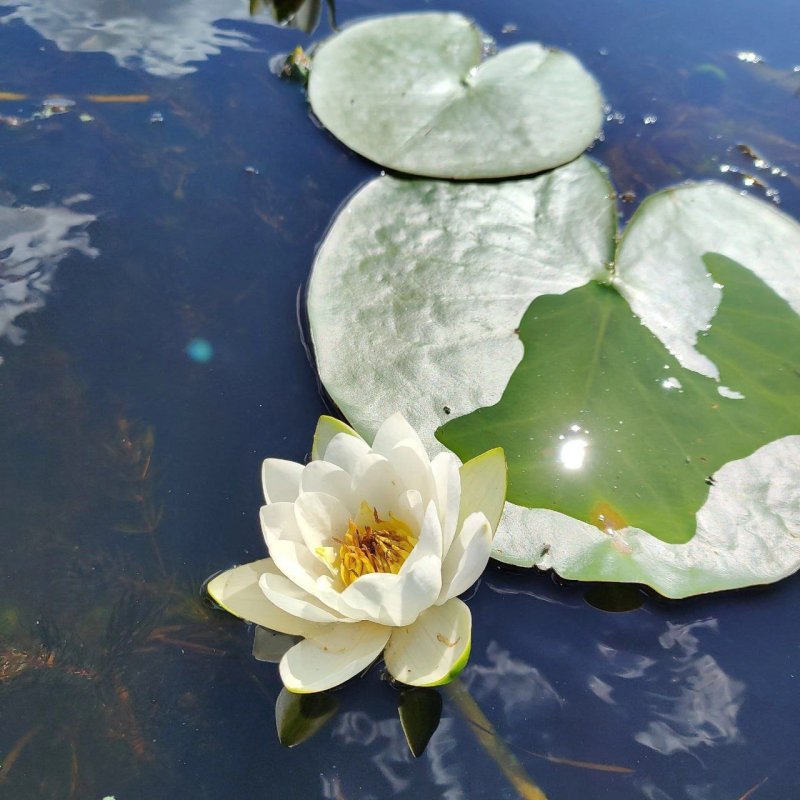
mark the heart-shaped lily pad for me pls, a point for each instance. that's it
(413, 93)
(419, 289)
(600, 420)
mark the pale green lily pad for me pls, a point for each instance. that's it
(414, 93)
(435, 278)
(601, 422)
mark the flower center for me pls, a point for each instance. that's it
(374, 545)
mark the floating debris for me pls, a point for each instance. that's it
(53, 106)
(86, 118)
(12, 121)
(650, 119)
(156, 118)
(296, 66)
(749, 57)
(759, 163)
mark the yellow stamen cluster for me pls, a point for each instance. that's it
(374, 545)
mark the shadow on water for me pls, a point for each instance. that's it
(161, 196)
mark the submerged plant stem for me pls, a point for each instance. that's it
(495, 747)
(16, 751)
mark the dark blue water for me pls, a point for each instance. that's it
(130, 464)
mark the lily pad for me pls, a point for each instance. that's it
(601, 422)
(414, 93)
(419, 289)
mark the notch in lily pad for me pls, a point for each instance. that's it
(416, 93)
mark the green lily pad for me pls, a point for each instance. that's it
(419, 288)
(601, 422)
(414, 93)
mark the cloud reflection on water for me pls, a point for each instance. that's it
(393, 760)
(705, 707)
(517, 684)
(33, 242)
(162, 37)
(689, 699)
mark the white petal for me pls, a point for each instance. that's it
(434, 649)
(394, 430)
(332, 656)
(376, 483)
(468, 557)
(409, 508)
(294, 600)
(396, 599)
(445, 469)
(238, 592)
(321, 519)
(345, 451)
(429, 542)
(280, 480)
(322, 476)
(413, 467)
(287, 546)
(483, 486)
(327, 428)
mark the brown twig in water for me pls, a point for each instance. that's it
(184, 644)
(749, 793)
(469, 709)
(73, 770)
(571, 762)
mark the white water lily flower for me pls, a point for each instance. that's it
(369, 548)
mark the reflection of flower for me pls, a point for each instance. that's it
(369, 548)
